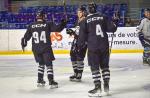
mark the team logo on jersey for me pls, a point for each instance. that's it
(56, 36)
(94, 19)
(38, 25)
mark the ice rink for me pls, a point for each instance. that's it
(18, 76)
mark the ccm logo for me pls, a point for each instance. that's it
(56, 36)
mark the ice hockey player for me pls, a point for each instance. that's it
(77, 57)
(40, 31)
(144, 36)
(93, 30)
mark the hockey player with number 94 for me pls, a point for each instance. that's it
(93, 31)
(40, 31)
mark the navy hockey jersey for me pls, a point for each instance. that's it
(93, 30)
(40, 33)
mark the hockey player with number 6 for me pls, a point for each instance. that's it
(93, 30)
(40, 31)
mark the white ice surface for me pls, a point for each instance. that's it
(18, 76)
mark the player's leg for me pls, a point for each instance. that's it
(146, 56)
(148, 59)
(104, 65)
(41, 67)
(80, 64)
(50, 76)
(146, 53)
(48, 58)
(93, 60)
(73, 77)
(74, 65)
(40, 80)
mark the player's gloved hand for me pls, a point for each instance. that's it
(115, 20)
(141, 38)
(23, 43)
(70, 31)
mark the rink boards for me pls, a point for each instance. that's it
(125, 40)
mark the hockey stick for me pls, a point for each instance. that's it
(23, 44)
(65, 9)
(23, 49)
(110, 47)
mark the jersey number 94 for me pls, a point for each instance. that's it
(38, 38)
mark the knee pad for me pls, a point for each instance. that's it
(74, 62)
(49, 64)
(42, 66)
(80, 62)
(49, 67)
(41, 63)
(147, 49)
(94, 68)
(146, 52)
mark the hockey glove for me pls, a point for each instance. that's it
(115, 20)
(70, 31)
(141, 38)
(23, 43)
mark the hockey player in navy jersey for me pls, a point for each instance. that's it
(93, 31)
(144, 36)
(40, 31)
(77, 58)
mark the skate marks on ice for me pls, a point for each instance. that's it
(66, 89)
(126, 62)
(129, 79)
(130, 92)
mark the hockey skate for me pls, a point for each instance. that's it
(106, 88)
(75, 78)
(146, 61)
(53, 84)
(41, 83)
(96, 92)
(72, 78)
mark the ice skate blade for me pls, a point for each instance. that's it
(75, 80)
(53, 86)
(107, 93)
(145, 64)
(40, 85)
(95, 95)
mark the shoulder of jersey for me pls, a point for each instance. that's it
(142, 18)
(96, 14)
